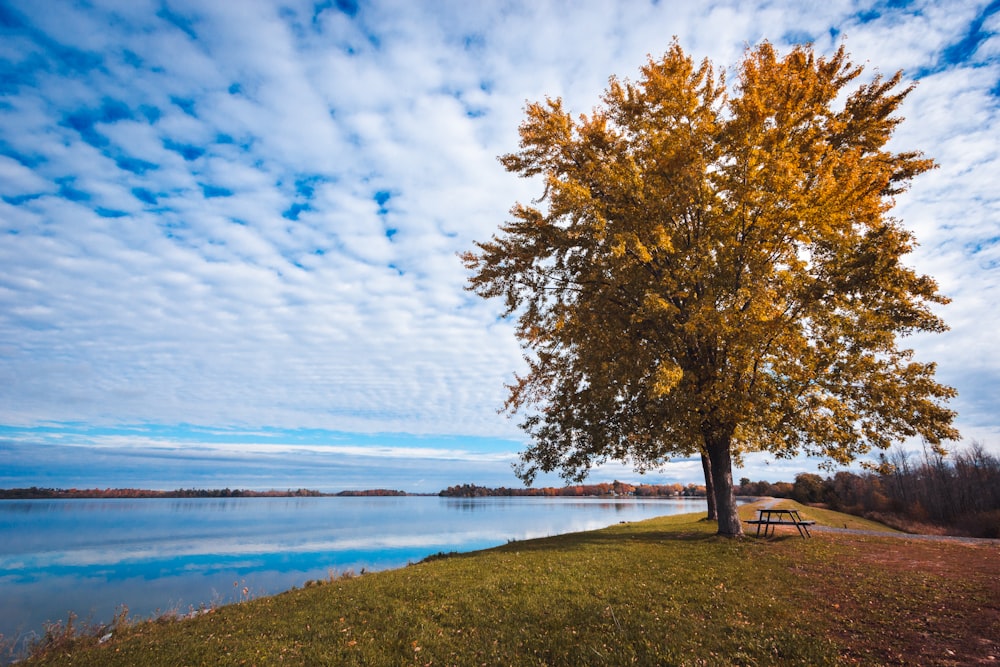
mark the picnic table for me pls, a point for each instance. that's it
(769, 518)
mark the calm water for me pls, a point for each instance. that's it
(158, 555)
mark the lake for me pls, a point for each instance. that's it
(157, 556)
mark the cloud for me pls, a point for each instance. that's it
(247, 215)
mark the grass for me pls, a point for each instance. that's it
(660, 592)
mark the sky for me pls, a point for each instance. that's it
(229, 230)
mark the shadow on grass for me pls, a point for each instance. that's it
(611, 536)
(783, 537)
(583, 540)
(692, 531)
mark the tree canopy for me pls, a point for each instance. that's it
(716, 271)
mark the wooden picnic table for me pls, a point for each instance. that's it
(769, 518)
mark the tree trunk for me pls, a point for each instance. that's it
(717, 446)
(706, 466)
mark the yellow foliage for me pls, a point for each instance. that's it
(716, 269)
(668, 376)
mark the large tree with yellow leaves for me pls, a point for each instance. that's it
(716, 272)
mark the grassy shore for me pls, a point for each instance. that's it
(659, 592)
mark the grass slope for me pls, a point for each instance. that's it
(659, 592)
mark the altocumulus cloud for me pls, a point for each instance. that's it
(246, 215)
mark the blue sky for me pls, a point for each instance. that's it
(228, 230)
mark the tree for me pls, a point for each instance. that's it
(808, 488)
(706, 468)
(716, 273)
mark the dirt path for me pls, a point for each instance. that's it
(974, 541)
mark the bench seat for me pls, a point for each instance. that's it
(801, 525)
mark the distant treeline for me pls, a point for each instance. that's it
(38, 493)
(615, 488)
(373, 492)
(960, 493)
